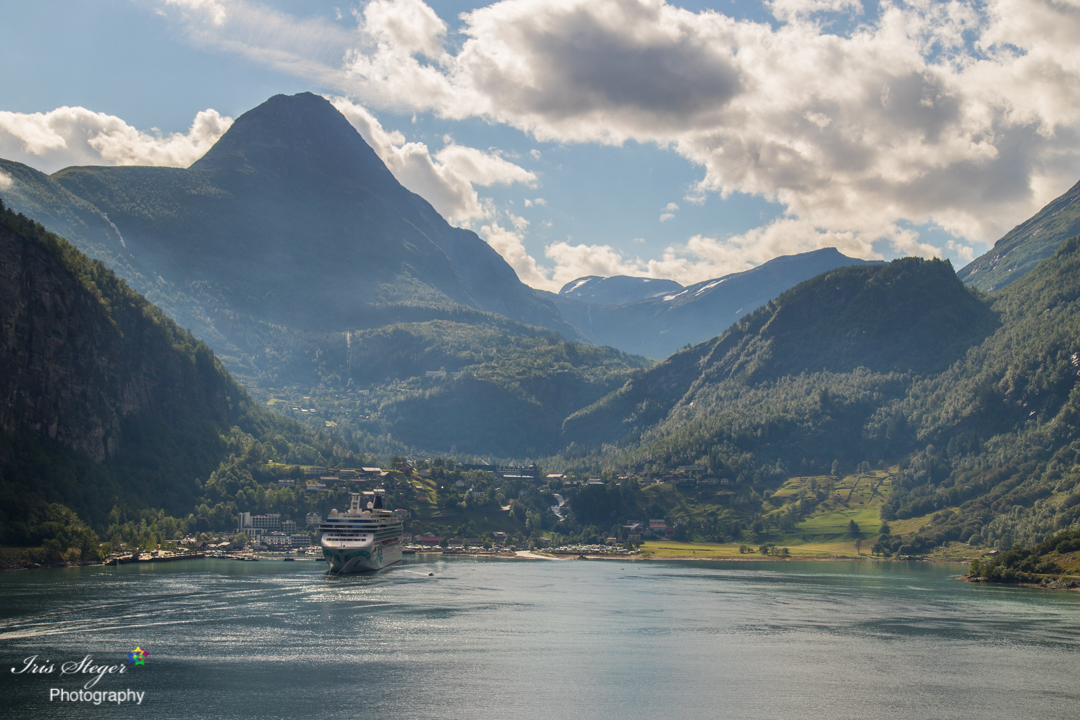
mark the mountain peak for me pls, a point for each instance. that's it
(288, 133)
(597, 290)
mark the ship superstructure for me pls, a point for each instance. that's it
(366, 537)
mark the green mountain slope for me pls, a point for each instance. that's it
(975, 398)
(109, 407)
(816, 350)
(42, 198)
(998, 434)
(114, 402)
(500, 389)
(1026, 245)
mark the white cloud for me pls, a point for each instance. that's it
(510, 245)
(700, 258)
(445, 180)
(574, 261)
(671, 207)
(535, 154)
(539, 202)
(481, 168)
(77, 136)
(791, 10)
(519, 223)
(6, 180)
(964, 114)
(409, 27)
(213, 10)
(664, 217)
(965, 253)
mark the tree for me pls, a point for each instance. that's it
(858, 546)
(853, 528)
(885, 530)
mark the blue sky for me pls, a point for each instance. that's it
(603, 137)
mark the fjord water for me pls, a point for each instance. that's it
(544, 639)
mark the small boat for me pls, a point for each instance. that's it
(290, 559)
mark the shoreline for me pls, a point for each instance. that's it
(510, 555)
(1070, 586)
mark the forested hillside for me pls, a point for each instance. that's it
(108, 404)
(997, 435)
(974, 397)
(833, 347)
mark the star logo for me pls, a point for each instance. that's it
(138, 656)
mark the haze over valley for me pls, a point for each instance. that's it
(779, 275)
(362, 325)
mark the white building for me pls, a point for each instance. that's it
(246, 522)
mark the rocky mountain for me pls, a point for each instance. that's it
(1026, 245)
(290, 220)
(657, 317)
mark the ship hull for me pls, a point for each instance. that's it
(345, 560)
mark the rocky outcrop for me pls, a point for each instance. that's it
(81, 353)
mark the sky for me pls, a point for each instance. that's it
(599, 137)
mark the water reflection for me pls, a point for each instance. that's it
(501, 639)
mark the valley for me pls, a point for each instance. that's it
(817, 403)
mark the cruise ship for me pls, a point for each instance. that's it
(362, 539)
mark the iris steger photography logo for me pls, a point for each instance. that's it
(93, 673)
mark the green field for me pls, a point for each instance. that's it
(855, 497)
(729, 551)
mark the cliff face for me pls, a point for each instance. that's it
(82, 355)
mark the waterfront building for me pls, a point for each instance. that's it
(258, 524)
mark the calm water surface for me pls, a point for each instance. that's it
(543, 639)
